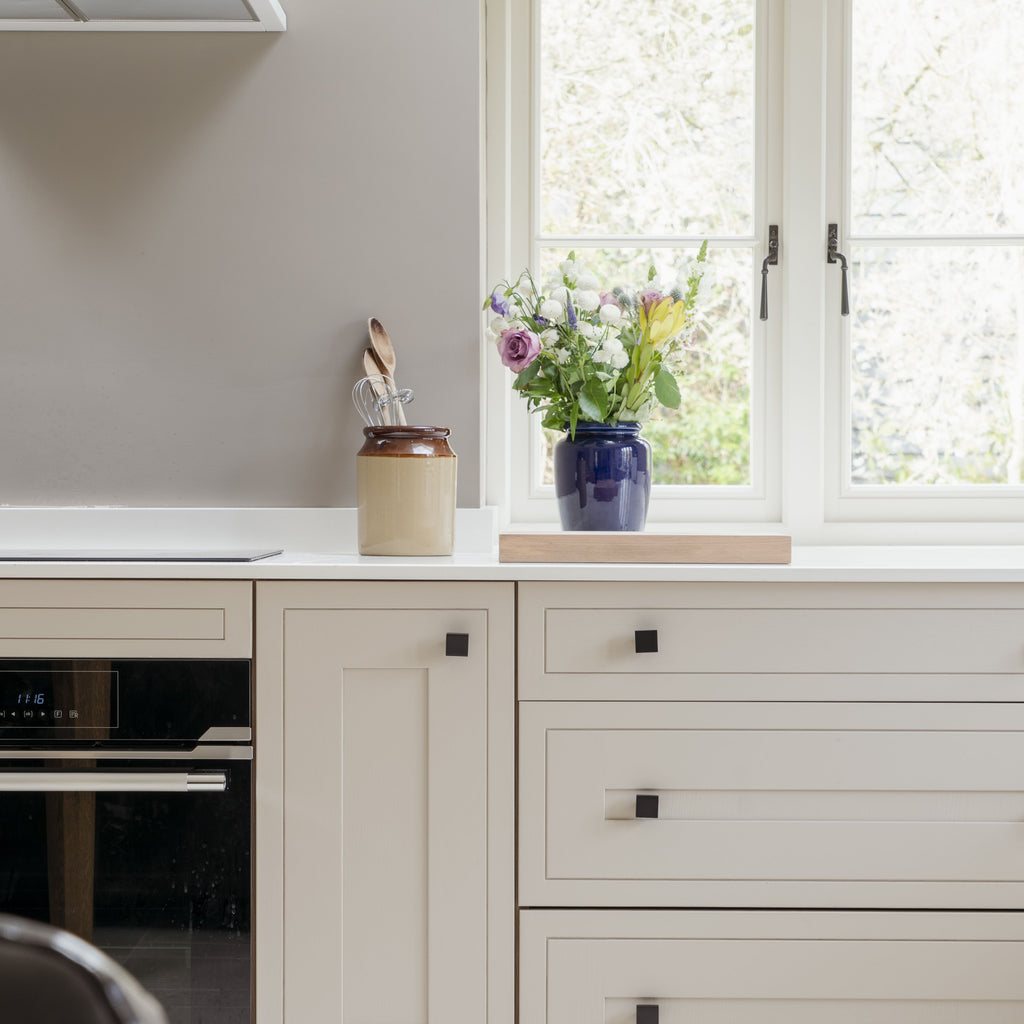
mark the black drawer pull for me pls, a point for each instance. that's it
(646, 641)
(647, 805)
(647, 1013)
(456, 645)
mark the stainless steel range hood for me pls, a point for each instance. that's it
(142, 15)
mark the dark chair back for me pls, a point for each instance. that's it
(49, 976)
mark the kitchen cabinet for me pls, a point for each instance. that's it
(738, 801)
(384, 724)
(126, 618)
(142, 15)
(770, 967)
(801, 749)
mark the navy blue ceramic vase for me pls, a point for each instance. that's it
(603, 477)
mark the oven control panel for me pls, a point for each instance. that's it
(45, 699)
(131, 700)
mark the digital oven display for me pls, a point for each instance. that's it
(43, 699)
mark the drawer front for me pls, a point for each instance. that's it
(126, 618)
(835, 804)
(731, 967)
(771, 642)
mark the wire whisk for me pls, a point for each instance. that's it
(377, 401)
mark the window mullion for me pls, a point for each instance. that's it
(803, 232)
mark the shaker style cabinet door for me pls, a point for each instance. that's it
(770, 967)
(384, 716)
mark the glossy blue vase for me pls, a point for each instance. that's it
(603, 477)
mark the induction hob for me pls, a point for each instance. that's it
(139, 555)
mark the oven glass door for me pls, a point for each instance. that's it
(149, 860)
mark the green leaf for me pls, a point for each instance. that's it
(525, 376)
(666, 389)
(594, 400)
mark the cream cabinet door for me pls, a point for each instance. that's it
(771, 804)
(125, 619)
(770, 967)
(384, 716)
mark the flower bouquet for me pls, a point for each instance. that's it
(600, 357)
(584, 357)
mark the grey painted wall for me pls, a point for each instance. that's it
(193, 231)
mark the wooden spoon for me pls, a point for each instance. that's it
(384, 352)
(373, 369)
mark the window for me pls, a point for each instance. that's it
(629, 132)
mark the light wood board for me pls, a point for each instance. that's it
(613, 546)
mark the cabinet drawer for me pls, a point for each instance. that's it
(793, 641)
(125, 618)
(735, 967)
(827, 804)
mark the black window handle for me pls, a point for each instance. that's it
(647, 805)
(835, 256)
(456, 645)
(646, 641)
(771, 260)
(647, 1013)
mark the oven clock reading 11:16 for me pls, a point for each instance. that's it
(31, 698)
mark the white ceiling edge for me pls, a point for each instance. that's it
(270, 17)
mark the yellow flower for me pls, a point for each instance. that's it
(665, 320)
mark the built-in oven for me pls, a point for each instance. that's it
(126, 817)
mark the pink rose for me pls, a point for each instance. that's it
(518, 349)
(650, 298)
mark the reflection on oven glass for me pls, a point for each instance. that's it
(200, 979)
(160, 881)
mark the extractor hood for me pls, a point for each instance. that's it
(142, 15)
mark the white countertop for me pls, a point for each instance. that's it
(809, 564)
(319, 544)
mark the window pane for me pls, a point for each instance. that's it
(706, 440)
(647, 117)
(937, 109)
(937, 365)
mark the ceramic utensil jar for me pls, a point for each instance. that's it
(405, 484)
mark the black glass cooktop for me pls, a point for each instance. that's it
(138, 555)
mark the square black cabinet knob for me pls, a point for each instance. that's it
(456, 645)
(647, 805)
(646, 1013)
(646, 641)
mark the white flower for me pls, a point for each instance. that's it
(588, 282)
(610, 314)
(498, 325)
(560, 294)
(561, 356)
(549, 338)
(587, 330)
(588, 301)
(569, 269)
(550, 309)
(613, 352)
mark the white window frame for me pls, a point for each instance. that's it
(943, 510)
(802, 356)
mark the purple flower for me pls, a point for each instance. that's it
(518, 349)
(608, 299)
(650, 298)
(570, 311)
(499, 304)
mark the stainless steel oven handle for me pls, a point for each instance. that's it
(113, 782)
